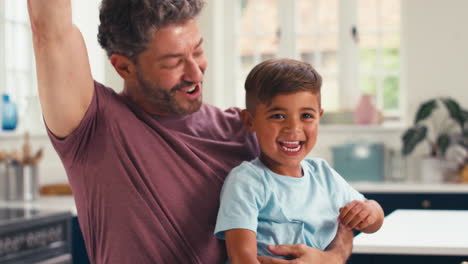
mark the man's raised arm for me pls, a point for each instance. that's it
(63, 71)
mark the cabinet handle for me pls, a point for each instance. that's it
(427, 204)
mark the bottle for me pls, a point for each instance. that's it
(366, 113)
(9, 114)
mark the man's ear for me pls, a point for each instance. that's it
(124, 66)
(247, 119)
(321, 112)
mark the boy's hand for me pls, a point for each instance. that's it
(359, 215)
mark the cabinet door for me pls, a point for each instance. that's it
(393, 201)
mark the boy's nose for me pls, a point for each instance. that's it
(293, 126)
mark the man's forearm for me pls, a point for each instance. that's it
(341, 246)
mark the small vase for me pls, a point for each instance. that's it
(433, 170)
(366, 113)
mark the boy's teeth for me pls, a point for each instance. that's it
(292, 149)
(290, 142)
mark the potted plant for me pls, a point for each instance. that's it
(439, 122)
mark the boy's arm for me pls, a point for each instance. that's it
(63, 71)
(241, 246)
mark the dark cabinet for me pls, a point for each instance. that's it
(79, 255)
(393, 201)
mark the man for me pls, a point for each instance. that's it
(146, 166)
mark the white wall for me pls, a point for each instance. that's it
(436, 42)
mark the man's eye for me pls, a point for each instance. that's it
(198, 53)
(277, 116)
(172, 64)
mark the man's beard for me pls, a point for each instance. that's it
(164, 101)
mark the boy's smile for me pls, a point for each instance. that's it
(286, 130)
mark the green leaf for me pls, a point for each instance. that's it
(412, 137)
(454, 110)
(465, 117)
(443, 142)
(425, 110)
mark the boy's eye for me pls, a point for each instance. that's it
(277, 116)
(307, 116)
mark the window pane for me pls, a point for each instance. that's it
(258, 33)
(20, 49)
(391, 59)
(390, 10)
(368, 85)
(258, 17)
(317, 16)
(368, 60)
(330, 92)
(330, 60)
(16, 10)
(247, 63)
(368, 16)
(391, 93)
(10, 7)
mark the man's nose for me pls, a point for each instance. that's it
(194, 71)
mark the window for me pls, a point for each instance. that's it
(17, 74)
(354, 44)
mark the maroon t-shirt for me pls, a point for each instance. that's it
(147, 187)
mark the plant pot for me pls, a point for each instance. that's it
(433, 170)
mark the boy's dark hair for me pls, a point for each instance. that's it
(280, 76)
(126, 25)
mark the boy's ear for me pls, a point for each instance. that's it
(247, 119)
(321, 112)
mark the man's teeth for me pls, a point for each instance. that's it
(192, 90)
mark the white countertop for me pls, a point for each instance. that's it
(418, 232)
(51, 203)
(410, 187)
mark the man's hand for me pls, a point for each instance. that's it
(302, 255)
(337, 252)
(365, 216)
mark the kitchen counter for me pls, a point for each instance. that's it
(409, 187)
(418, 232)
(52, 203)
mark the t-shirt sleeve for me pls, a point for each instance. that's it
(343, 193)
(72, 148)
(242, 197)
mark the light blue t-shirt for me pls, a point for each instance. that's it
(282, 209)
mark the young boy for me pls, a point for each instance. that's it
(280, 197)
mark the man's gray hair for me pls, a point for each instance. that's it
(126, 25)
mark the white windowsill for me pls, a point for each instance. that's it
(19, 134)
(384, 128)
